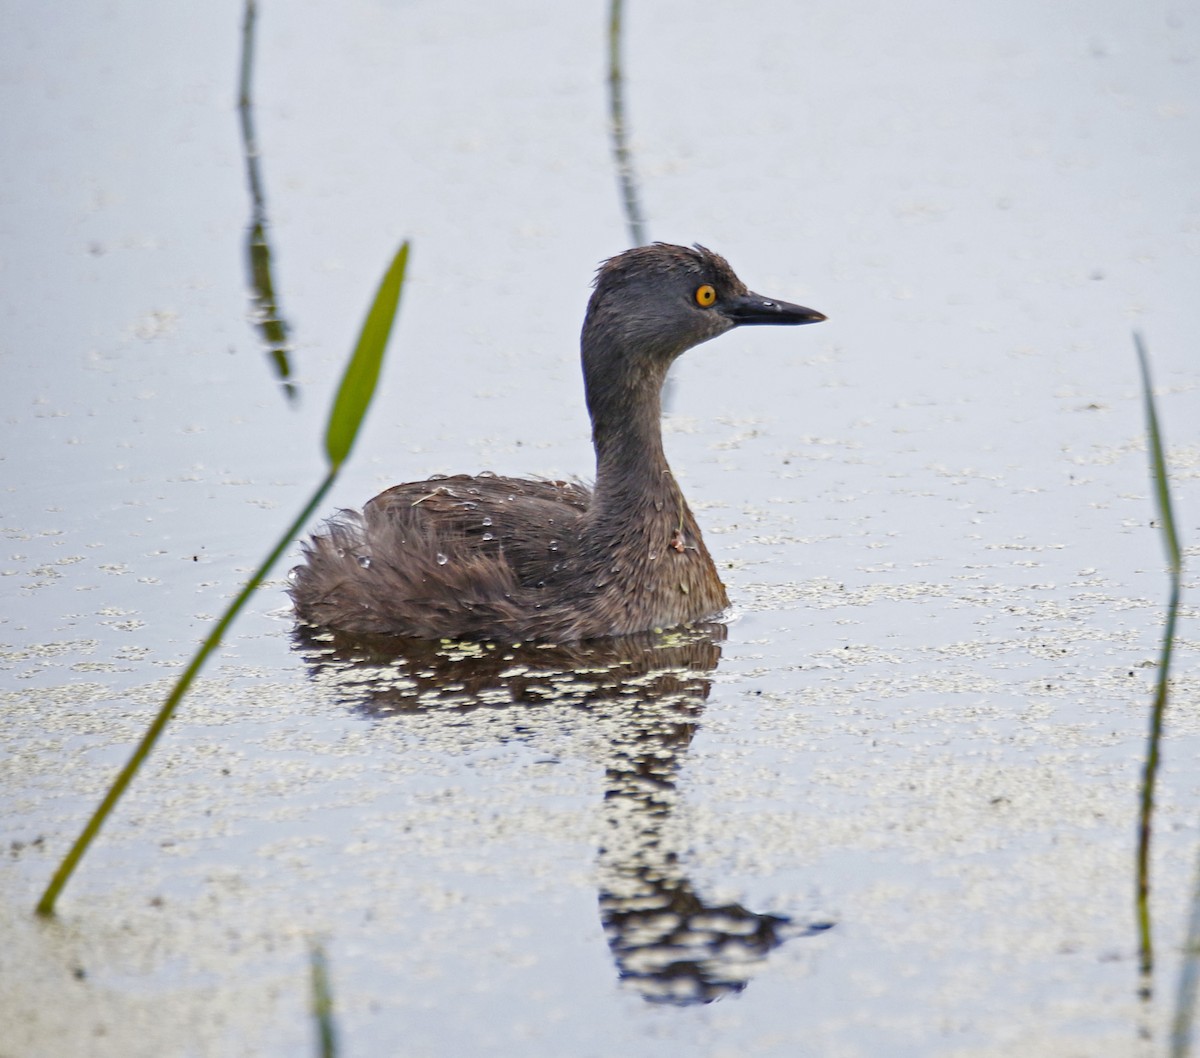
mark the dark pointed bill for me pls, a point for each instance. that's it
(753, 308)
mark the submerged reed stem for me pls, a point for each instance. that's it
(268, 316)
(1189, 980)
(322, 1002)
(622, 155)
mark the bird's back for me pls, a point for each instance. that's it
(447, 557)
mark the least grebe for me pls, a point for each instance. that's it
(514, 559)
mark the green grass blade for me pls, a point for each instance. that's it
(359, 380)
(1158, 466)
(362, 373)
(1166, 518)
(46, 904)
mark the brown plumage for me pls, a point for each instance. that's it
(515, 559)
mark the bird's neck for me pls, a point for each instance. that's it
(640, 542)
(632, 475)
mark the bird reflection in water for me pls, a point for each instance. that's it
(643, 695)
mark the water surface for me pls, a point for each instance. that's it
(889, 809)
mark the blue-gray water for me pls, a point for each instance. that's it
(925, 724)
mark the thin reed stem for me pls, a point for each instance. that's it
(45, 906)
(622, 155)
(1166, 518)
(322, 1002)
(354, 396)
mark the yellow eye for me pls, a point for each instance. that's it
(705, 295)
